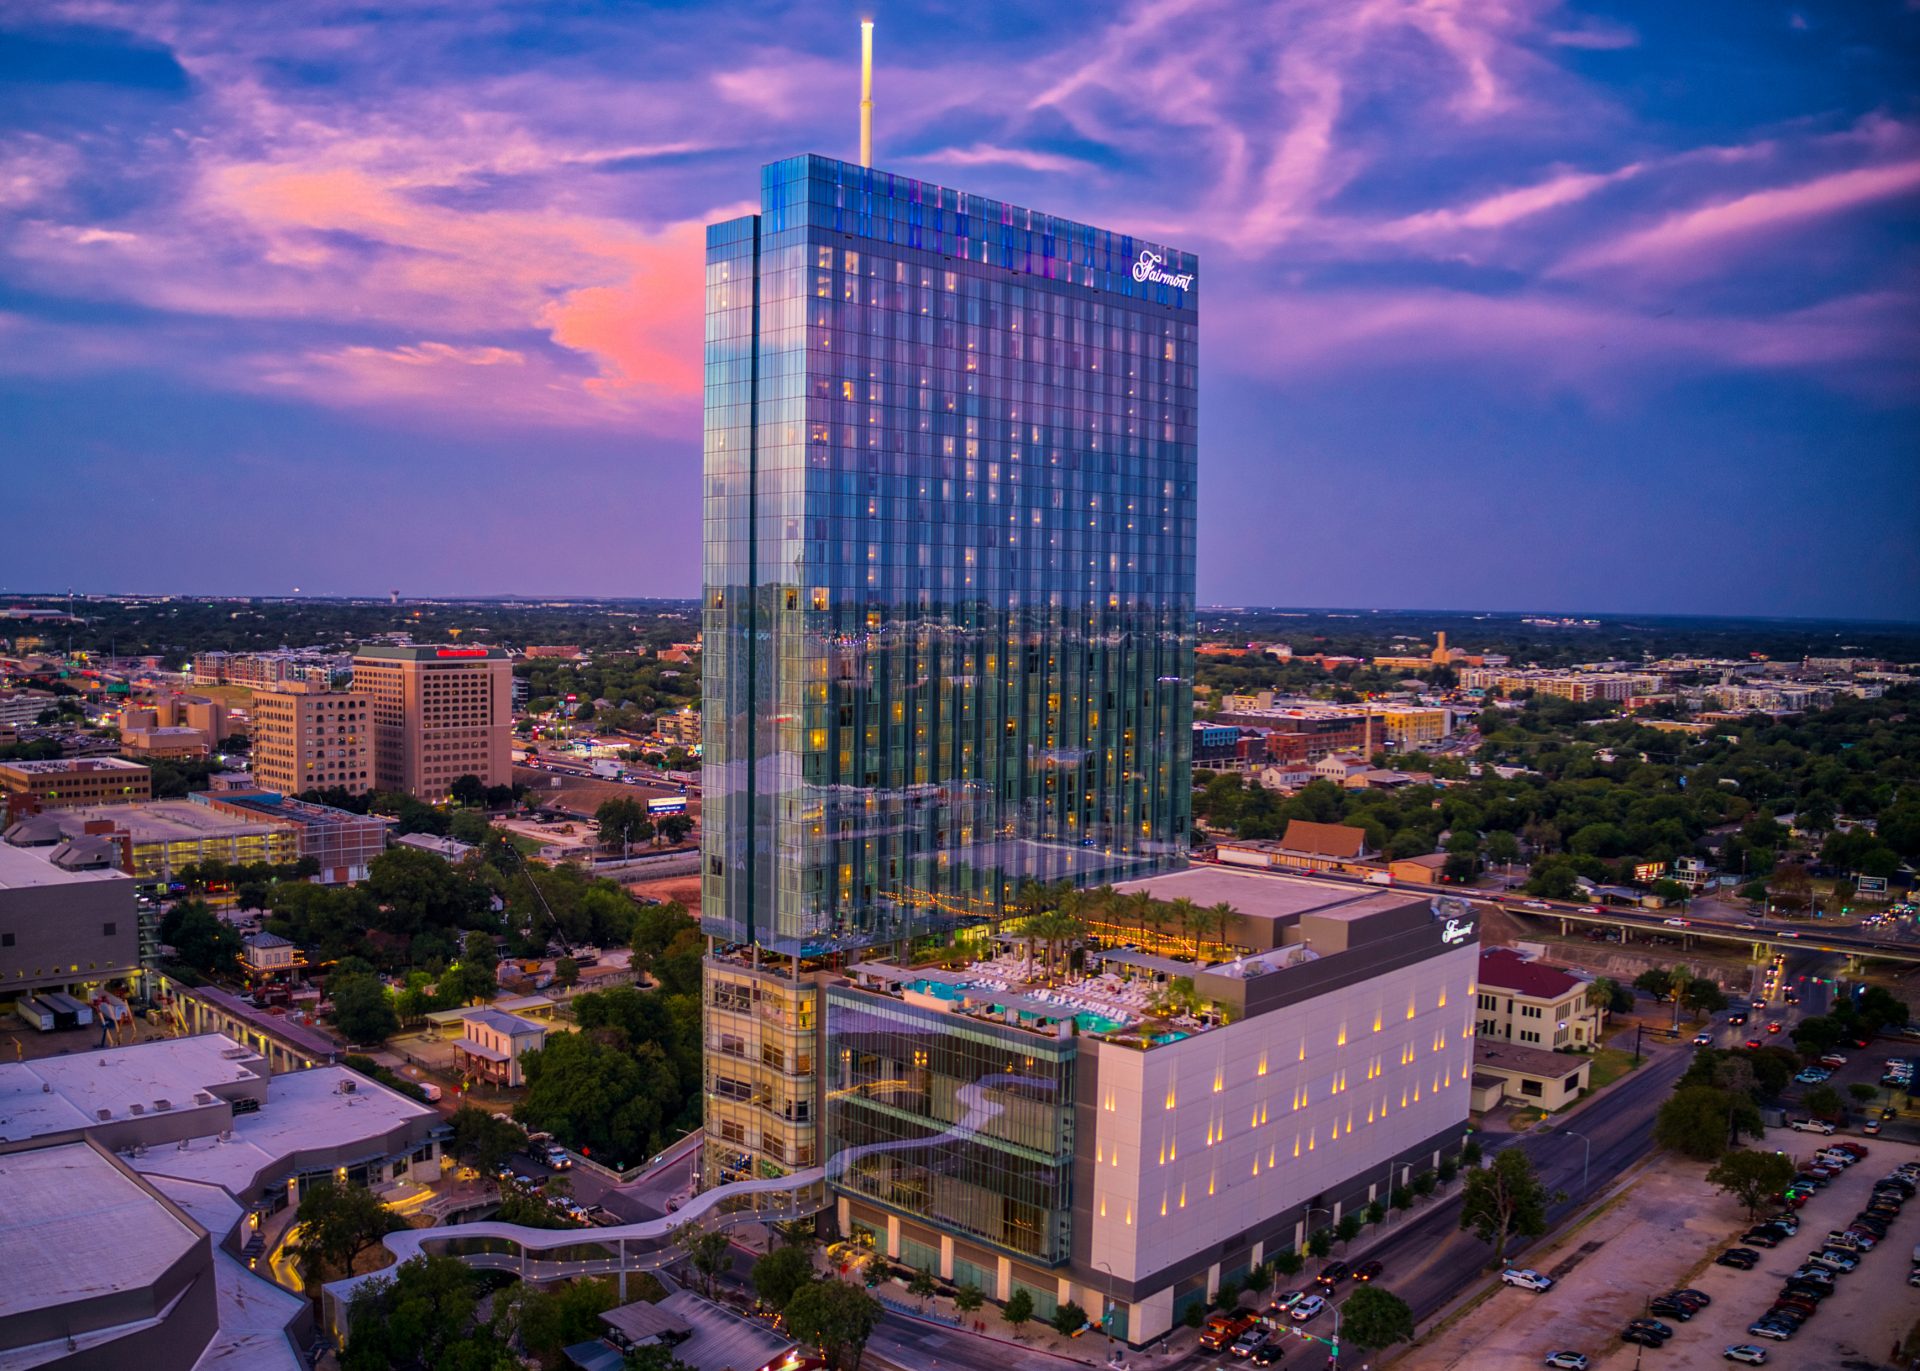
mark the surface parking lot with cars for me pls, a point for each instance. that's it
(1662, 1234)
(1869, 1308)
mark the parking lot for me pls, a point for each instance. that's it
(1663, 1232)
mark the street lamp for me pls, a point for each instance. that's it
(1586, 1157)
(1306, 1221)
(1106, 1315)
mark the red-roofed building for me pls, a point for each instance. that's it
(1532, 1003)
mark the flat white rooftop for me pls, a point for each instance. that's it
(89, 1229)
(1266, 894)
(56, 1094)
(26, 868)
(304, 1111)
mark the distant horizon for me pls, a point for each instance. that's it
(1606, 616)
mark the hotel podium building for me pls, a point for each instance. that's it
(949, 485)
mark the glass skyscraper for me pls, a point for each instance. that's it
(949, 558)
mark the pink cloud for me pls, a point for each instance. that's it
(1562, 340)
(987, 154)
(1684, 236)
(1509, 206)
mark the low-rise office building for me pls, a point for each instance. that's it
(493, 1042)
(67, 782)
(1504, 1072)
(60, 929)
(1533, 1004)
(342, 842)
(156, 838)
(166, 744)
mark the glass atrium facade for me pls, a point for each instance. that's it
(949, 558)
(952, 1120)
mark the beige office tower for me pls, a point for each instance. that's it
(305, 738)
(437, 714)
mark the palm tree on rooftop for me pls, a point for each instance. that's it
(1184, 913)
(1220, 918)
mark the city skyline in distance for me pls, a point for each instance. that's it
(1545, 309)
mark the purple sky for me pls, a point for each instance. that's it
(1506, 304)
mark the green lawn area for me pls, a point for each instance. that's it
(1609, 1065)
(525, 846)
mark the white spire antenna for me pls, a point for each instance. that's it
(866, 92)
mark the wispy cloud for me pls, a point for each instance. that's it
(1684, 236)
(987, 154)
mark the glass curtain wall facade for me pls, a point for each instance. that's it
(952, 1121)
(949, 558)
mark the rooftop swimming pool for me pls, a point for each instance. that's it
(1088, 1022)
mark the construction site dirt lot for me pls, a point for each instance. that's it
(1661, 1231)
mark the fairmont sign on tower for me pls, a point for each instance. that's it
(1148, 268)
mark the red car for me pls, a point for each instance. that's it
(1753, 1042)
(1773, 1028)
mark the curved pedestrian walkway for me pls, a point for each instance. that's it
(550, 1254)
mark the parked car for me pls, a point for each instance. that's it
(1567, 1361)
(1835, 1059)
(1642, 1337)
(1653, 1326)
(1834, 1261)
(1671, 1309)
(1699, 1297)
(1760, 1238)
(1740, 1258)
(1769, 1328)
(1871, 1128)
(1812, 1126)
(1746, 1352)
(1526, 1280)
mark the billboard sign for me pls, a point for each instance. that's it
(672, 804)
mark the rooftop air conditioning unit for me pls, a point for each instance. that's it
(103, 1114)
(136, 1108)
(348, 1087)
(163, 1104)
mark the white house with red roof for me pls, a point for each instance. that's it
(1531, 1003)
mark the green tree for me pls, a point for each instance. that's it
(547, 1321)
(1319, 1242)
(779, 1274)
(1702, 1121)
(1608, 994)
(337, 1223)
(1818, 1033)
(566, 971)
(1069, 1318)
(1505, 1199)
(1376, 1213)
(1863, 1093)
(708, 1253)
(654, 1357)
(799, 1233)
(968, 1298)
(1288, 1262)
(836, 1317)
(1424, 1183)
(362, 1009)
(1372, 1318)
(619, 823)
(921, 1285)
(1703, 997)
(484, 1138)
(1657, 982)
(423, 1313)
(200, 938)
(1348, 1228)
(1018, 1309)
(1752, 1178)
(1824, 1102)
